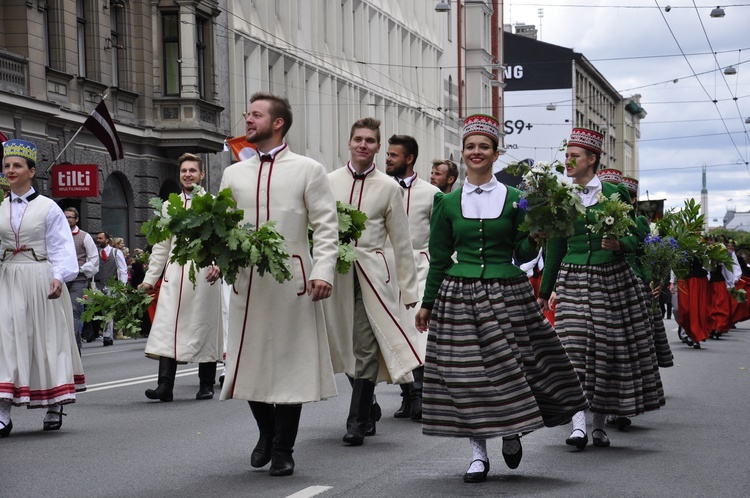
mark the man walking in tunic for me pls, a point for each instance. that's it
(88, 265)
(277, 353)
(186, 324)
(362, 318)
(419, 197)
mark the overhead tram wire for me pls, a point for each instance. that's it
(674, 37)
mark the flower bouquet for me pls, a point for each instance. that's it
(551, 204)
(614, 219)
(739, 295)
(209, 233)
(351, 225)
(124, 304)
(141, 257)
(660, 255)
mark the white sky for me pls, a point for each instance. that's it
(630, 43)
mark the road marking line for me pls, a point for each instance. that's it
(311, 491)
(133, 381)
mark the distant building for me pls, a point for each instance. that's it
(551, 89)
(737, 221)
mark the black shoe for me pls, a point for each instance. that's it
(108, 342)
(205, 392)
(56, 423)
(623, 423)
(261, 454)
(282, 464)
(599, 438)
(697, 345)
(161, 393)
(375, 414)
(355, 435)
(416, 409)
(512, 460)
(473, 477)
(578, 441)
(404, 410)
(5, 431)
(221, 381)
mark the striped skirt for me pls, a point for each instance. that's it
(664, 357)
(494, 365)
(605, 325)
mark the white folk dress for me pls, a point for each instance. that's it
(39, 360)
(187, 324)
(277, 349)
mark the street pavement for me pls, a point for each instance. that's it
(116, 443)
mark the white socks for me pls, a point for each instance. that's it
(479, 452)
(53, 413)
(598, 421)
(579, 423)
(5, 411)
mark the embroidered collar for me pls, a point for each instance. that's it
(27, 197)
(406, 182)
(270, 156)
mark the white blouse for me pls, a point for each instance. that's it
(484, 202)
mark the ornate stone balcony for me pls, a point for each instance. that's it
(13, 73)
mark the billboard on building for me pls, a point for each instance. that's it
(75, 180)
(538, 98)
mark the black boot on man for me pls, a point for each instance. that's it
(285, 434)
(404, 411)
(415, 393)
(359, 412)
(207, 378)
(165, 382)
(265, 416)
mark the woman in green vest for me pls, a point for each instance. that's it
(601, 316)
(494, 365)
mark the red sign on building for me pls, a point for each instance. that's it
(75, 180)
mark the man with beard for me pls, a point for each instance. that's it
(362, 317)
(88, 265)
(444, 174)
(277, 353)
(418, 200)
(111, 261)
(186, 324)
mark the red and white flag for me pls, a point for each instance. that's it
(101, 125)
(241, 148)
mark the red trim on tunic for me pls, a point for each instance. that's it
(242, 337)
(385, 262)
(304, 276)
(393, 319)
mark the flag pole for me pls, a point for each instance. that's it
(54, 161)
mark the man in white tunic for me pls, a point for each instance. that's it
(368, 342)
(277, 354)
(419, 196)
(186, 324)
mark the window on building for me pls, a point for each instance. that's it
(115, 211)
(171, 52)
(201, 27)
(81, 33)
(115, 18)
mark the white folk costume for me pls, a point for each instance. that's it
(186, 326)
(419, 198)
(378, 196)
(277, 347)
(39, 361)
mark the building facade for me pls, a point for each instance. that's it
(159, 65)
(177, 75)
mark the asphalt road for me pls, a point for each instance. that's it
(116, 443)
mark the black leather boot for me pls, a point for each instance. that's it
(207, 378)
(165, 382)
(265, 416)
(415, 393)
(285, 434)
(359, 411)
(404, 411)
